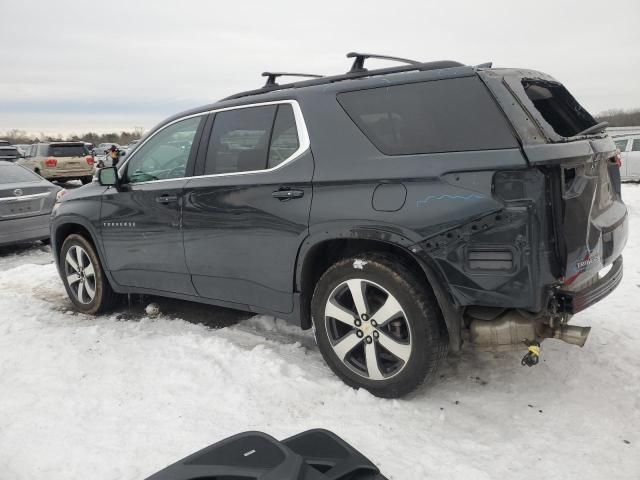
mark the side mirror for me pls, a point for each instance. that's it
(108, 177)
(123, 153)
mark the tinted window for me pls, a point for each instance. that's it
(166, 154)
(635, 147)
(240, 140)
(43, 149)
(15, 173)
(439, 116)
(67, 150)
(621, 145)
(284, 139)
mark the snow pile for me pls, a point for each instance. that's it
(120, 396)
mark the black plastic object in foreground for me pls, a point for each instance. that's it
(312, 455)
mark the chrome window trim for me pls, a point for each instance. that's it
(301, 127)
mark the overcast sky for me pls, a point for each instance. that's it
(72, 66)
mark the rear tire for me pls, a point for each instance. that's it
(401, 325)
(86, 180)
(83, 276)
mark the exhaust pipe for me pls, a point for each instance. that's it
(572, 334)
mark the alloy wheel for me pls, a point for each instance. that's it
(80, 274)
(368, 329)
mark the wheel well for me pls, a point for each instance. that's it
(63, 231)
(321, 256)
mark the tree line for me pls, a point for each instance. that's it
(620, 118)
(17, 136)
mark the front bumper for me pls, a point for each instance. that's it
(574, 302)
(26, 229)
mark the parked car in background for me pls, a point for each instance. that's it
(22, 147)
(10, 153)
(630, 155)
(103, 148)
(5, 142)
(26, 200)
(398, 211)
(60, 161)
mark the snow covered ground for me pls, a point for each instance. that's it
(121, 396)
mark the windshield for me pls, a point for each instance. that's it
(67, 150)
(16, 174)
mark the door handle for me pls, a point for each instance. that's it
(287, 194)
(167, 198)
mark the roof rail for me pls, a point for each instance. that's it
(414, 66)
(358, 63)
(271, 80)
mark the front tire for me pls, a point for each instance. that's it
(378, 325)
(83, 276)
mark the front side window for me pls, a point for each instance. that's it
(240, 140)
(166, 154)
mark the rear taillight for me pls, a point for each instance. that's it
(618, 158)
(51, 162)
(89, 159)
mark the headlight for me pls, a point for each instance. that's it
(60, 194)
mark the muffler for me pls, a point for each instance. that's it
(508, 331)
(572, 334)
(511, 330)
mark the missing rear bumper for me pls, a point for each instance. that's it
(574, 302)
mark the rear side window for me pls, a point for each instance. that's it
(284, 139)
(558, 107)
(429, 117)
(17, 174)
(240, 140)
(67, 150)
(636, 145)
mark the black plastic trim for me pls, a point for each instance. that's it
(574, 302)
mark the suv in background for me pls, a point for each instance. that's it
(398, 211)
(10, 153)
(630, 155)
(60, 161)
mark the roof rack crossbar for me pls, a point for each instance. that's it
(349, 76)
(271, 77)
(358, 63)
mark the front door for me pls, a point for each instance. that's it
(141, 219)
(246, 216)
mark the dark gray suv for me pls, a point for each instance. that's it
(399, 212)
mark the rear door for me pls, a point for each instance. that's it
(140, 220)
(622, 146)
(71, 159)
(632, 159)
(247, 213)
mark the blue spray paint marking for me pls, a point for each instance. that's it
(473, 196)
